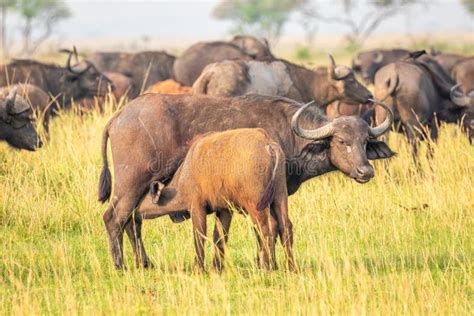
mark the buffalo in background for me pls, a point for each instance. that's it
(192, 61)
(143, 68)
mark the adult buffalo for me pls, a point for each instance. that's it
(282, 78)
(143, 68)
(63, 83)
(447, 60)
(151, 135)
(17, 125)
(418, 91)
(367, 63)
(190, 64)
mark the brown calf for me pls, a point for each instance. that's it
(244, 167)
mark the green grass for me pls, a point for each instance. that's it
(401, 244)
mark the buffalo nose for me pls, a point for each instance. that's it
(365, 171)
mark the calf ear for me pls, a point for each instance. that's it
(378, 150)
(156, 188)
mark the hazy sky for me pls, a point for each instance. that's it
(191, 19)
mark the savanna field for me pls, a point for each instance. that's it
(401, 244)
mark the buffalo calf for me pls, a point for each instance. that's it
(244, 167)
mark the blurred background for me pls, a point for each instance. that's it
(295, 28)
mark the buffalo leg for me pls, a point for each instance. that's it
(117, 216)
(221, 234)
(198, 217)
(134, 232)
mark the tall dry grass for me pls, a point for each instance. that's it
(401, 244)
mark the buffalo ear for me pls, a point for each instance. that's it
(378, 150)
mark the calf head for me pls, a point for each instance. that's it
(343, 81)
(253, 47)
(367, 64)
(84, 80)
(351, 143)
(17, 124)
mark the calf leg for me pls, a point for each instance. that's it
(221, 234)
(266, 230)
(198, 217)
(285, 229)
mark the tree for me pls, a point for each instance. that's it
(5, 6)
(469, 5)
(257, 17)
(361, 26)
(39, 17)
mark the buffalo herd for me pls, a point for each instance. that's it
(242, 129)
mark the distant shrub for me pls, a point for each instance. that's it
(303, 54)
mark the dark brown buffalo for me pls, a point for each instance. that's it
(418, 91)
(367, 63)
(17, 124)
(189, 65)
(244, 167)
(62, 83)
(151, 135)
(282, 78)
(143, 68)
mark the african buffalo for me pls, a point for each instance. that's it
(282, 78)
(143, 68)
(62, 83)
(17, 126)
(418, 91)
(244, 167)
(150, 137)
(367, 63)
(189, 65)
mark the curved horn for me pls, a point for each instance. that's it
(332, 67)
(378, 57)
(68, 62)
(314, 134)
(10, 99)
(461, 101)
(383, 127)
(338, 107)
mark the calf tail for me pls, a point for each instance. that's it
(267, 196)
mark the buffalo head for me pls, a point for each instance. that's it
(367, 64)
(17, 124)
(351, 142)
(466, 104)
(348, 89)
(84, 80)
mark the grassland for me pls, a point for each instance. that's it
(401, 244)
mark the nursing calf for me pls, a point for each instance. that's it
(244, 167)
